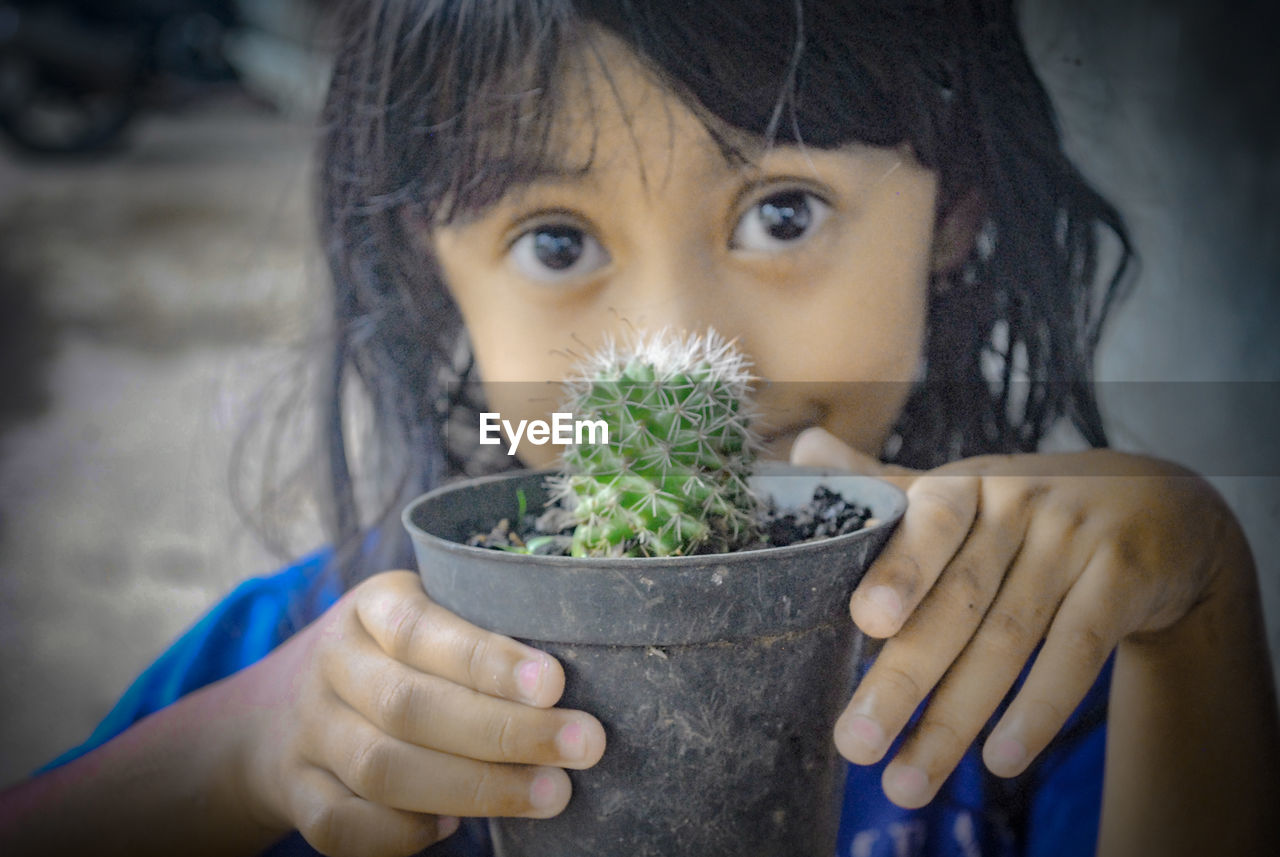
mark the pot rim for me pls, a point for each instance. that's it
(766, 470)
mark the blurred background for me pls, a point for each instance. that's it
(159, 277)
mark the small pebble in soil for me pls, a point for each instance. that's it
(501, 537)
(825, 515)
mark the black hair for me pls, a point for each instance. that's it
(438, 107)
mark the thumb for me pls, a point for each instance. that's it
(817, 447)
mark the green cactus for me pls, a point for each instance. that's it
(672, 480)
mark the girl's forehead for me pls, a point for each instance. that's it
(613, 112)
(611, 98)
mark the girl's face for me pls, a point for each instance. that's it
(816, 261)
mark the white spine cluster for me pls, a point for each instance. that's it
(673, 478)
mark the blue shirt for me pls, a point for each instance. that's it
(1050, 811)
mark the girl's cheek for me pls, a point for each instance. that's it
(870, 412)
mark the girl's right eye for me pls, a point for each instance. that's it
(779, 221)
(555, 252)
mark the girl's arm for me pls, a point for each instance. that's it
(1193, 747)
(171, 784)
(1084, 553)
(370, 732)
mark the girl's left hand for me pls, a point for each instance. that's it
(994, 556)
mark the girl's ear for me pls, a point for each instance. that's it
(957, 230)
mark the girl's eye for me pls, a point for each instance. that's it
(556, 252)
(780, 220)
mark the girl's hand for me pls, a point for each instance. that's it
(994, 556)
(379, 724)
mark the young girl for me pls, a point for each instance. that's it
(872, 199)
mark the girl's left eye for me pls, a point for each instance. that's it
(780, 221)
(555, 252)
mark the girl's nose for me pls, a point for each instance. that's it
(683, 288)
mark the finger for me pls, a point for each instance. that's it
(338, 823)
(817, 447)
(911, 663)
(432, 712)
(1089, 625)
(986, 669)
(940, 513)
(413, 629)
(397, 774)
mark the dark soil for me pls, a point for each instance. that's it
(827, 514)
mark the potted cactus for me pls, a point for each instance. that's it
(717, 664)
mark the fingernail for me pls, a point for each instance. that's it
(1005, 755)
(543, 794)
(886, 601)
(572, 742)
(864, 734)
(909, 784)
(811, 446)
(529, 677)
(447, 825)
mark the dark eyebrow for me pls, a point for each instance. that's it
(545, 176)
(504, 179)
(554, 174)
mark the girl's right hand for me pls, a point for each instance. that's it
(379, 724)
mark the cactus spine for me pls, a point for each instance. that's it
(672, 480)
